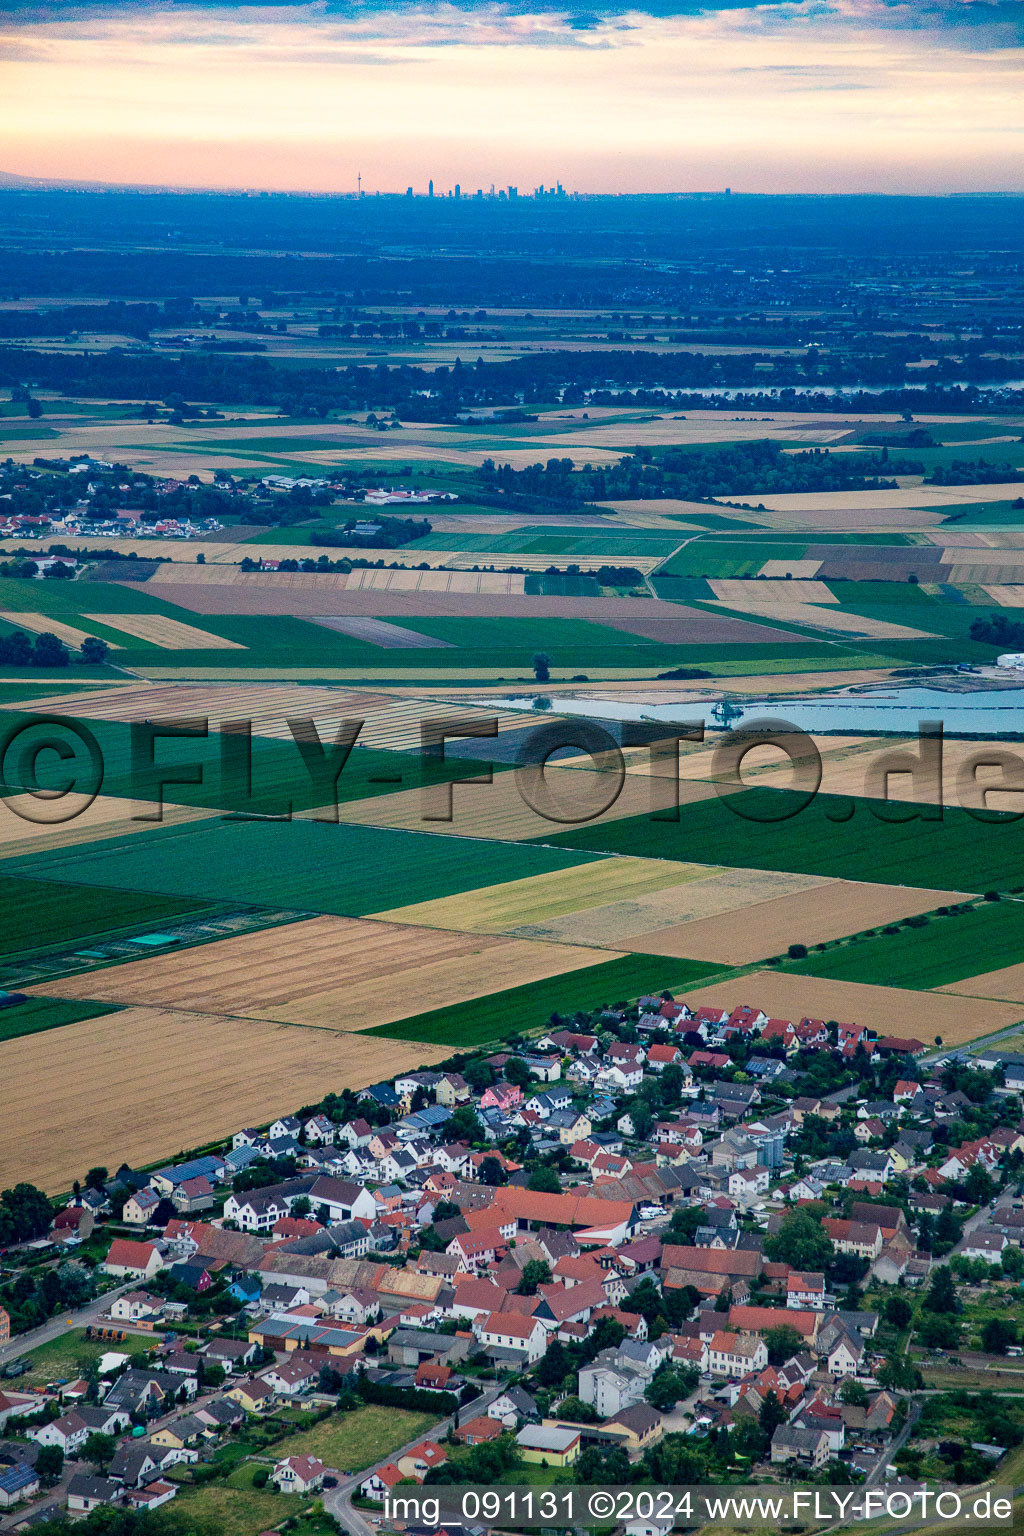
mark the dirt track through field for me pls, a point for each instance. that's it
(330, 973)
(148, 1083)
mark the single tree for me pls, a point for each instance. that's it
(542, 667)
(536, 1272)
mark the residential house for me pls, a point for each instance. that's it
(298, 1474)
(549, 1445)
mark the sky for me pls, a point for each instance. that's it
(908, 96)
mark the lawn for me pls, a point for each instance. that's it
(947, 950)
(308, 866)
(38, 1014)
(64, 1358)
(218, 1509)
(482, 1020)
(41, 914)
(834, 835)
(352, 1441)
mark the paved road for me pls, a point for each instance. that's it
(889, 1453)
(338, 1501)
(22, 1343)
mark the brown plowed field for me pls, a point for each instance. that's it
(147, 1083)
(330, 973)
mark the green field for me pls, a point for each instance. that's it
(1009, 514)
(308, 866)
(485, 1019)
(278, 775)
(834, 835)
(68, 1356)
(947, 950)
(616, 544)
(352, 1441)
(40, 914)
(37, 1014)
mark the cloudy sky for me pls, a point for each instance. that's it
(804, 95)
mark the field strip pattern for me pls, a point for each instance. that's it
(499, 812)
(125, 1076)
(887, 1010)
(330, 973)
(169, 634)
(45, 623)
(390, 722)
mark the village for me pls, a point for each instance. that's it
(648, 1244)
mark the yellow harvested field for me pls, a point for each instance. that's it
(389, 721)
(853, 766)
(105, 817)
(666, 512)
(331, 973)
(888, 1010)
(117, 1086)
(738, 593)
(232, 576)
(501, 583)
(1006, 596)
(1007, 983)
(811, 503)
(169, 634)
(800, 570)
(498, 810)
(821, 616)
(569, 914)
(515, 903)
(806, 917)
(44, 623)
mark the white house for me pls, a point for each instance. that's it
(511, 1330)
(298, 1474)
(736, 1354)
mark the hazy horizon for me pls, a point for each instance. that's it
(815, 96)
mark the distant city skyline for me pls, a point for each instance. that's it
(801, 96)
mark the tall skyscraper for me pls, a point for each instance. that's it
(430, 188)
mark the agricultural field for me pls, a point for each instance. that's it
(44, 914)
(240, 1071)
(785, 995)
(36, 1015)
(331, 973)
(943, 950)
(518, 1010)
(311, 866)
(813, 916)
(834, 835)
